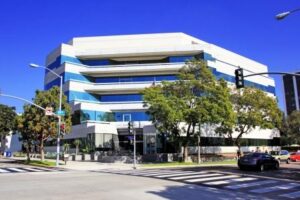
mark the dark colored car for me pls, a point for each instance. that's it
(260, 161)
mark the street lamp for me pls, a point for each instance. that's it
(281, 16)
(60, 101)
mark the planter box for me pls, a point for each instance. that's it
(86, 157)
(76, 157)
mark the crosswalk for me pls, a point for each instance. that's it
(7, 170)
(274, 188)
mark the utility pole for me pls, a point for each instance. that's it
(132, 130)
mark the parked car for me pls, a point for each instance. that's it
(295, 156)
(281, 156)
(259, 161)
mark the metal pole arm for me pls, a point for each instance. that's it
(30, 102)
(277, 73)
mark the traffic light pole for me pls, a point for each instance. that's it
(239, 77)
(134, 148)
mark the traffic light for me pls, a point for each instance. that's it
(130, 127)
(239, 78)
(62, 129)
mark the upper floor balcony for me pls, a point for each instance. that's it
(132, 69)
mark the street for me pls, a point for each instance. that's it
(226, 182)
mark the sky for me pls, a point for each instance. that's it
(30, 29)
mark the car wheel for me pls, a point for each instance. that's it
(261, 167)
(288, 161)
(276, 165)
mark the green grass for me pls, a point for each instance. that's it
(179, 164)
(40, 163)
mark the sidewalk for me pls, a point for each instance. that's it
(87, 165)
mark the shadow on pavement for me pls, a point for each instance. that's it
(193, 192)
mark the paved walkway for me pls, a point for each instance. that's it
(86, 165)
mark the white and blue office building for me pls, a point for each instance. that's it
(103, 77)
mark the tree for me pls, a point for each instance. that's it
(197, 98)
(77, 143)
(7, 123)
(24, 127)
(45, 127)
(254, 109)
(291, 129)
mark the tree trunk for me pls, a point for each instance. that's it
(2, 144)
(76, 151)
(28, 153)
(186, 144)
(185, 153)
(42, 150)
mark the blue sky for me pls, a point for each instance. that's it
(30, 29)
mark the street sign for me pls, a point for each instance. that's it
(49, 111)
(61, 112)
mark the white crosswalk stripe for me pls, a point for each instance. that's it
(230, 181)
(16, 169)
(4, 171)
(210, 179)
(276, 188)
(33, 170)
(293, 195)
(179, 174)
(7, 170)
(194, 176)
(249, 184)
(245, 185)
(161, 173)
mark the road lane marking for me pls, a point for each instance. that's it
(210, 179)
(180, 174)
(230, 181)
(194, 176)
(276, 188)
(245, 185)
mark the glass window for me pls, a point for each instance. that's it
(126, 117)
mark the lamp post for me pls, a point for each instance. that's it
(60, 101)
(281, 16)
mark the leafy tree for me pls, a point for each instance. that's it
(254, 109)
(24, 127)
(291, 129)
(45, 127)
(7, 122)
(197, 98)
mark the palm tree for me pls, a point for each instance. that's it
(77, 143)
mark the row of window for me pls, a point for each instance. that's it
(205, 141)
(80, 116)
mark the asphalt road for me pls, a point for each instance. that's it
(142, 184)
(91, 185)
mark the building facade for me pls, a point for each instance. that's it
(103, 77)
(291, 85)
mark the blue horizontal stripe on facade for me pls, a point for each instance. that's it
(134, 116)
(95, 62)
(93, 115)
(121, 97)
(118, 116)
(136, 78)
(173, 59)
(66, 77)
(206, 56)
(74, 95)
